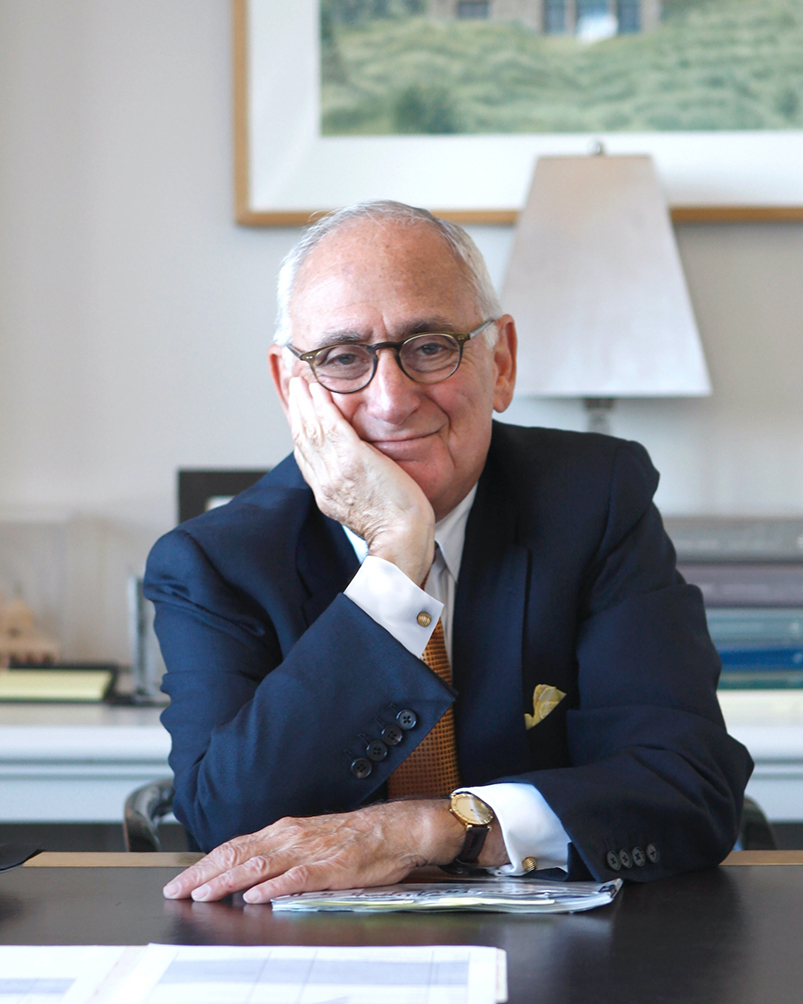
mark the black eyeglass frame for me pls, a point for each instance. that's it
(373, 351)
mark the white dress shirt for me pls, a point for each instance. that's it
(529, 826)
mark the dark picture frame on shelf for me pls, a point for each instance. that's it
(202, 490)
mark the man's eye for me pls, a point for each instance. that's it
(430, 354)
(427, 350)
(431, 348)
(341, 358)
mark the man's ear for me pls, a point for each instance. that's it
(280, 374)
(504, 356)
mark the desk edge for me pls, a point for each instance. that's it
(113, 859)
(764, 858)
(182, 859)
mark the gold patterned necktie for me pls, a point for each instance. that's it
(431, 769)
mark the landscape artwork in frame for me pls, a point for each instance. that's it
(448, 103)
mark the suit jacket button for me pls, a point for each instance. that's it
(652, 854)
(392, 735)
(613, 861)
(361, 767)
(407, 719)
(624, 857)
(638, 857)
(377, 751)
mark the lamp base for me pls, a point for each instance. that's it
(598, 414)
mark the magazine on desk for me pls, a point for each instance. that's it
(491, 895)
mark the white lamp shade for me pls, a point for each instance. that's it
(596, 286)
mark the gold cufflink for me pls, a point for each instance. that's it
(424, 619)
(529, 864)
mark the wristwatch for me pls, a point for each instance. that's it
(477, 817)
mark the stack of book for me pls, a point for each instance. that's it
(751, 575)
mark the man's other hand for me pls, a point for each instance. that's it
(378, 845)
(357, 485)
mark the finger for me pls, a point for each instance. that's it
(324, 405)
(321, 875)
(335, 426)
(304, 422)
(301, 878)
(325, 444)
(217, 862)
(249, 873)
(328, 411)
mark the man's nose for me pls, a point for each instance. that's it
(392, 394)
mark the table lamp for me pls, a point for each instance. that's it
(597, 289)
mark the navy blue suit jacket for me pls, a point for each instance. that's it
(278, 681)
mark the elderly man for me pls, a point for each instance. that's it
(429, 638)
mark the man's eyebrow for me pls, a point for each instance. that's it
(337, 337)
(340, 336)
(436, 323)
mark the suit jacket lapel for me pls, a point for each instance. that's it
(488, 637)
(488, 623)
(326, 562)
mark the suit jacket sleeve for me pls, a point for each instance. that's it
(267, 713)
(651, 764)
(278, 683)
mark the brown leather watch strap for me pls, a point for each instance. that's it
(470, 851)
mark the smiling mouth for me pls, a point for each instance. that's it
(398, 447)
(400, 439)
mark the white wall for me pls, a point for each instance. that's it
(134, 314)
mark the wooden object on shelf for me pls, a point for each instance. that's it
(20, 639)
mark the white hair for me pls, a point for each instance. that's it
(461, 245)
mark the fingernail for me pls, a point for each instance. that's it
(251, 896)
(201, 893)
(171, 889)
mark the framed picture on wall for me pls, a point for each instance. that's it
(448, 103)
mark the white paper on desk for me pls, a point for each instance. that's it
(47, 974)
(277, 974)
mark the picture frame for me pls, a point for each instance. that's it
(199, 490)
(286, 173)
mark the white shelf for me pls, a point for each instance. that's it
(76, 763)
(770, 724)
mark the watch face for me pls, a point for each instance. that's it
(471, 810)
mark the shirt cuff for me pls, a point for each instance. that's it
(386, 594)
(529, 826)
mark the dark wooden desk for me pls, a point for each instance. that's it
(729, 935)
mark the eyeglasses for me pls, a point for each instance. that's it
(350, 366)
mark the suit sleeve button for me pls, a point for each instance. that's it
(392, 735)
(652, 854)
(638, 857)
(613, 861)
(424, 619)
(377, 751)
(361, 767)
(624, 857)
(407, 719)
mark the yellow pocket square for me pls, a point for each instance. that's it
(545, 700)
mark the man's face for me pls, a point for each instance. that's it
(384, 281)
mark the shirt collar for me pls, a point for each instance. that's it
(450, 535)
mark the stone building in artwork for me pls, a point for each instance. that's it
(558, 17)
